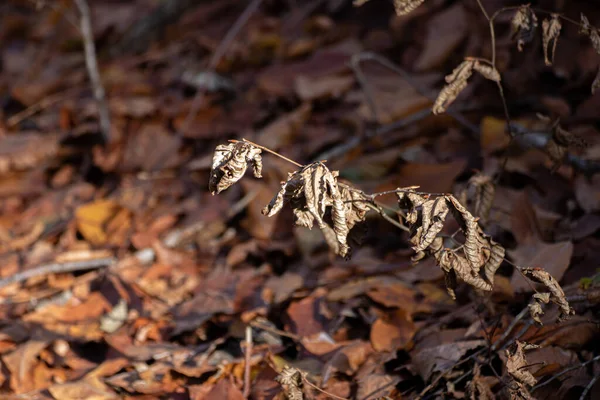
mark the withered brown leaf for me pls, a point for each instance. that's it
(535, 307)
(516, 365)
(591, 32)
(456, 83)
(557, 295)
(405, 6)
(596, 83)
(452, 261)
(230, 163)
(310, 191)
(550, 33)
(487, 71)
(291, 380)
(475, 244)
(480, 192)
(433, 216)
(523, 24)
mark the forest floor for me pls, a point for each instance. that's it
(122, 276)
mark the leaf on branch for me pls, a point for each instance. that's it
(590, 31)
(516, 366)
(550, 33)
(310, 192)
(291, 380)
(535, 307)
(456, 83)
(523, 25)
(452, 261)
(596, 83)
(475, 244)
(487, 71)
(480, 192)
(490, 267)
(557, 295)
(405, 6)
(433, 215)
(230, 163)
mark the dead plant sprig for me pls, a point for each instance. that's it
(317, 196)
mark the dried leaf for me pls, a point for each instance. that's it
(516, 365)
(480, 191)
(535, 307)
(556, 292)
(487, 71)
(451, 261)
(490, 267)
(456, 83)
(406, 6)
(591, 32)
(550, 33)
(524, 24)
(291, 381)
(433, 215)
(230, 163)
(310, 192)
(475, 244)
(478, 388)
(596, 83)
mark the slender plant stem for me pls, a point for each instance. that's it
(270, 151)
(92, 66)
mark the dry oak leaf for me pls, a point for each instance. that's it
(310, 191)
(516, 365)
(524, 24)
(456, 83)
(557, 295)
(230, 163)
(291, 380)
(591, 32)
(535, 307)
(550, 33)
(403, 7)
(480, 191)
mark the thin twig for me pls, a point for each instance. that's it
(57, 268)
(309, 383)
(270, 151)
(92, 66)
(564, 372)
(216, 58)
(39, 106)
(589, 387)
(247, 357)
(510, 328)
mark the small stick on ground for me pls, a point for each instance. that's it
(91, 63)
(57, 268)
(248, 356)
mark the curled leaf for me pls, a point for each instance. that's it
(557, 295)
(452, 261)
(494, 261)
(480, 192)
(230, 163)
(535, 307)
(596, 83)
(591, 32)
(516, 365)
(291, 380)
(405, 6)
(475, 245)
(433, 215)
(523, 24)
(456, 83)
(310, 192)
(487, 71)
(550, 33)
